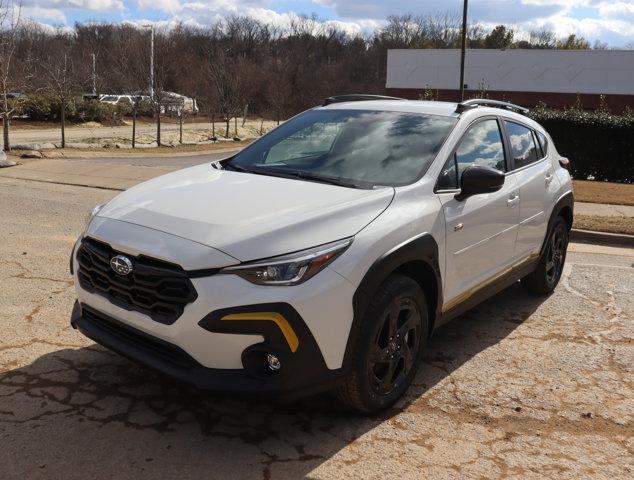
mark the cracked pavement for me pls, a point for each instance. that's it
(520, 387)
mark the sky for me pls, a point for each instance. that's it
(610, 22)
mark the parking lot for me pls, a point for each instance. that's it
(521, 387)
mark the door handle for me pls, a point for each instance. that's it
(549, 178)
(512, 200)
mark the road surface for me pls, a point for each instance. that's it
(522, 387)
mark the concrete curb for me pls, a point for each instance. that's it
(602, 238)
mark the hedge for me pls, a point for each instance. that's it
(46, 108)
(599, 145)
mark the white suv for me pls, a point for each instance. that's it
(324, 254)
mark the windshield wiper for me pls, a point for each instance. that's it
(304, 175)
(301, 174)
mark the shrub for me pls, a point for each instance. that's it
(46, 108)
(39, 108)
(597, 143)
(93, 110)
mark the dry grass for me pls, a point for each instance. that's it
(605, 224)
(604, 192)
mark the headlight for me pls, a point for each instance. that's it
(92, 212)
(290, 269)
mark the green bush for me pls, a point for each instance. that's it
(598, 144)
(93, 110)
(46, 108)
(40, 108)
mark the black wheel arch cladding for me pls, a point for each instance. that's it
(417, 258)
(563, 208)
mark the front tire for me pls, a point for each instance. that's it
(545, 277)
(389, 347)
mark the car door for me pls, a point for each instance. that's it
(536, 183)
(480, 229)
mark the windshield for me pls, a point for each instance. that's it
(109, 99)
(354, 146)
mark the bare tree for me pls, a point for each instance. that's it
(132, 73)
(9, 84)
(59, 80)
(225, 80)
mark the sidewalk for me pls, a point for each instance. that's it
(603, 210)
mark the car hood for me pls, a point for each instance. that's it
(245, 215)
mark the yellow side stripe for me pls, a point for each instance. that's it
(279, 320)
(473, 290)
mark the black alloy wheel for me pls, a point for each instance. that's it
(395, 345)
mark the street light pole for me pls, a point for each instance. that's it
(463, 48)
(152, 61)
(94, 74)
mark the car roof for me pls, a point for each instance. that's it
(447, 109)
(411, 106)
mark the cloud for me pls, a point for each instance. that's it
(43, 13)
(58, 10)
(617, 10)
(168, 6)
(62, 5)
(480, 10)
(612, 31)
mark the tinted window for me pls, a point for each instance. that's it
(480, 145)
(522, 144)
(543, 141)
(378, 147)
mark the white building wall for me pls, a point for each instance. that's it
(563, 71)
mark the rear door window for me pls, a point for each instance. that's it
(522, 144)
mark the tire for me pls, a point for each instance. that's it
(545, 277)
(389, 348)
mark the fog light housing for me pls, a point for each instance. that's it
(273, 362)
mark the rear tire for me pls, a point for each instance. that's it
(390, 345)
(545, 277)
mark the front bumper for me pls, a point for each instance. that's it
(303, 372)
(220, 355)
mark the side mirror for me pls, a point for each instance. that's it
(478, 179)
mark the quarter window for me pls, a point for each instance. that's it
(522, 143)
(543, 141)
(480, 145)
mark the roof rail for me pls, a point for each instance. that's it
(356, 97)
(485, 102)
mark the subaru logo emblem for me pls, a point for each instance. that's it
(121, 264)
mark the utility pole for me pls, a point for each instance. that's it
(94, 74)
(152, 61)
(463, 49)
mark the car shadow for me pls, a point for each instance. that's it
(89, 413)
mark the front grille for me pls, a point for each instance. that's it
(155, 288)
(139, 340)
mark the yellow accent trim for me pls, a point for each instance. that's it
(279, 320)
(470, 292)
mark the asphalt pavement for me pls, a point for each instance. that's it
(523, 386)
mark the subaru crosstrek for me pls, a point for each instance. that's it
(323, 255)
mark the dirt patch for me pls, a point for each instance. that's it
(604, 192)
(605, 224)
(146, 152)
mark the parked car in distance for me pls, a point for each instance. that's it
(122, 99)
(323, 255)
